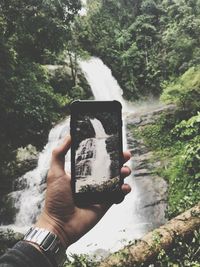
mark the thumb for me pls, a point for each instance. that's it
(58, 155)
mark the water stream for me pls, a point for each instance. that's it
(29, 200)
(122, 222)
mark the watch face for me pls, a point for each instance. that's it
(50, 241)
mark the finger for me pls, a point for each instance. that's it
(126, 189)
(125, 171)
(127, 156)
(58, 154)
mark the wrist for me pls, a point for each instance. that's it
(48, 243)
(48, 223)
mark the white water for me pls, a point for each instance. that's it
(104, 86)
(102, 158)
(98, 129)
(29, 200)
(83, 10)
(121, 223)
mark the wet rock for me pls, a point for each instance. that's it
(145, 118)
(141, 172)
(26, 160)
(84, 157)
(154, 199)
(151, 189)
(83, 168)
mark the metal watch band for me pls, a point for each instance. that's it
(48, 242)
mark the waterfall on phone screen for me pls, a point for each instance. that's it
(91, 155)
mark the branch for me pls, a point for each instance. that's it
(150, 245)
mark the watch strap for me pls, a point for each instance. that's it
(49, 244)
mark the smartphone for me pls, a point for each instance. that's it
(96, 151)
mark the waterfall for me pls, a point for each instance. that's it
(122, 222)
(104, 86)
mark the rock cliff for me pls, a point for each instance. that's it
(152, 201)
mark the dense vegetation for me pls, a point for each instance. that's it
(144, 42)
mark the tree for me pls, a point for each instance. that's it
(35, 27)
(30, 32)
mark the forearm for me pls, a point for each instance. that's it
(41, 247)
(24, 254)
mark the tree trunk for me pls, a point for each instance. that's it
(150, 245)
(73, 66)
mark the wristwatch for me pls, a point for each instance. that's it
(49, 244)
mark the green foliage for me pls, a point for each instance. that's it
(144, 42)
(61, 80)
(185, 253)
(32, 106)
(82, 260)
(62, 83)
(177, 145)
(33, 28)
(187, 129)
(157, 136)
(184, 91)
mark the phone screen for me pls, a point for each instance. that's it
(97, 149)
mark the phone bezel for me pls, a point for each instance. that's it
(86, 198)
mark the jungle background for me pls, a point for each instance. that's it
(152, 48)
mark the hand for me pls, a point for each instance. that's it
(60, 215)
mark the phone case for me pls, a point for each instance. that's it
(96, 151)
